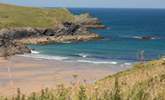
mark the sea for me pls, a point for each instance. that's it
(122, 42)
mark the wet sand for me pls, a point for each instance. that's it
(33, 74)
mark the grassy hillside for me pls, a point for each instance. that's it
(17, 16)
(142, 82)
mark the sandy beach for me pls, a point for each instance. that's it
(33, 74)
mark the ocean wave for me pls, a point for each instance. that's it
(34, 52)
(39, 56)
(84, 55)
(85, 59)
(143, 37)
(98, 62)
(136, 37)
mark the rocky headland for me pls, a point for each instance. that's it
(18, 38)
(65, 32)
(13, 39)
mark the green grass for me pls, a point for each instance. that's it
(18, 16)
(142, 82)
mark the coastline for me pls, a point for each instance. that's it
(32, 74)
(59, 39)
(51, 55)
(74, 28)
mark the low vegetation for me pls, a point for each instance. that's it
(17, 16)
(142, 82)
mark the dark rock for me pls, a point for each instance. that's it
(68, 28)
(9, 47)
(48, 32)
(147, 37)
(23, 32)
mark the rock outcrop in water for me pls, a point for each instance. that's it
(148, 37)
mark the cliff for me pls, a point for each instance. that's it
(28, 25)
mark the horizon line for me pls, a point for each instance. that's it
(81, 7)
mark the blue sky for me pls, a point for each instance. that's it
(91, 3)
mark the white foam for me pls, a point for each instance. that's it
(45, 57)
(34, 52)
(154, 38)
(98, 62)
(137, 37)
(83, 55)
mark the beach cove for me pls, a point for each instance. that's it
(33, 74)
(51, 57)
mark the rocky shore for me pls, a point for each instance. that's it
(59, 39)
(8, 46)
(14, 40)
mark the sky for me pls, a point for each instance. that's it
(90, 3)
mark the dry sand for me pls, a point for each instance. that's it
(31, 74)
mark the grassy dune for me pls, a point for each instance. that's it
(17, 16)
(142, 82)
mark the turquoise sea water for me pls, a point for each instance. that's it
(120, 43)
